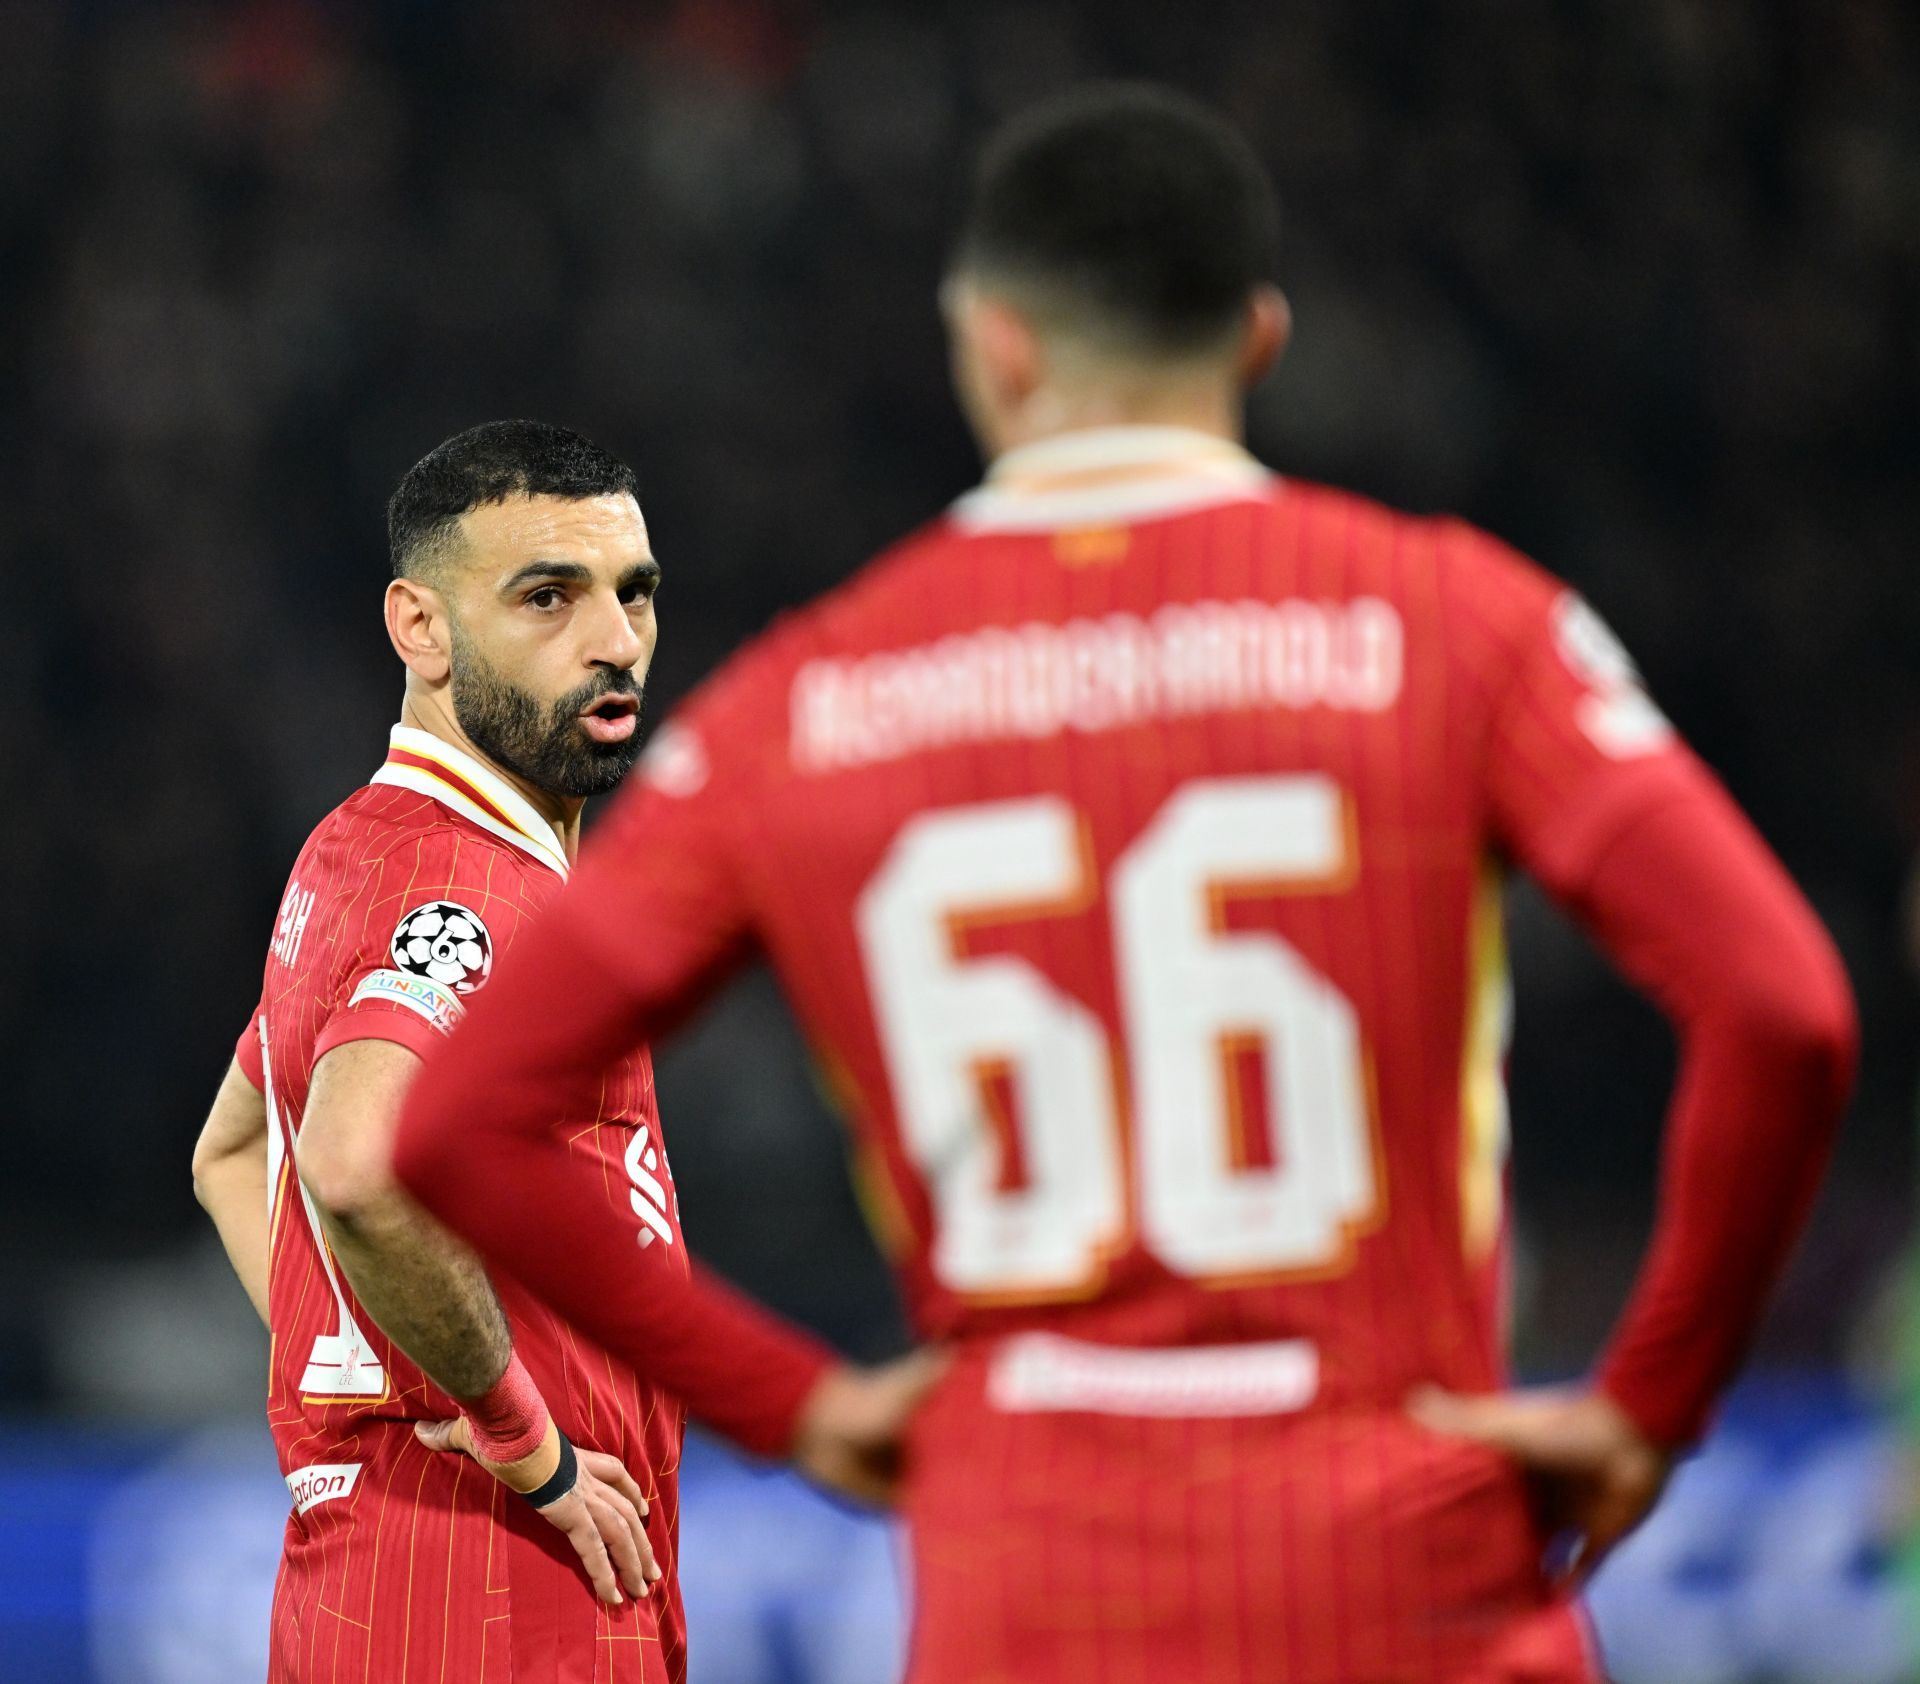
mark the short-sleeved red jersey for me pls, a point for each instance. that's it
(1131, 854)
(403, 1563)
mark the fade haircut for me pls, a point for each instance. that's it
(489, 464)
(1126, 215)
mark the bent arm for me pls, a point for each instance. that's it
(479, 1146)
(430, 1295)
(230, 1179)
(427, 1292)
(1692, 906)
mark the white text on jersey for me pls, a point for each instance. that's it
(1096, 675)
(294, 912)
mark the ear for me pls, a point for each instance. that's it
(418, 629)
(1269, 327)
(1006, 349)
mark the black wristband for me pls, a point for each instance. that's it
(565, 1477)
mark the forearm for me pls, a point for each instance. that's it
(1747, 1140)
(426, 1291)
(479, 1147)
(233, 1192)
(1693, 907)
(738, 1369)
(230, 1179)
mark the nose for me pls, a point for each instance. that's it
(613, 638)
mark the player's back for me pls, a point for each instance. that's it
(1131, 854)
(1129, 843)
(397, 910)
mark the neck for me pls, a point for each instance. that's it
(433, 713)
(1146, 400)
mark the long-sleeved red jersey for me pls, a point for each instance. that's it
(1129, 843)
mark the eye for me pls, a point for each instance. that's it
(547, 596)
(640, 590)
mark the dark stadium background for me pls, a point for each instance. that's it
(1636, 285)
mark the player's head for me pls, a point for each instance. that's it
(1115, 254)
(522, 597)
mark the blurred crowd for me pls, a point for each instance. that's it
(1637, 285)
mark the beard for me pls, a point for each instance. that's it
(545, 744)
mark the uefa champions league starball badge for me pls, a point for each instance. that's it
(445, 942)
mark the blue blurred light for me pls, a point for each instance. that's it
(148, 1558)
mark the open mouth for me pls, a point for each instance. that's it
(612, 719)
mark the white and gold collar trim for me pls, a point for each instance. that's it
(1110, 475)
(430, 765)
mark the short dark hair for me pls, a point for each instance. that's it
(488, 464)
(1126, 211)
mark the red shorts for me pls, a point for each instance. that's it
(1055, 1547)
(426, 1570)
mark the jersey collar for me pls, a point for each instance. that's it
(1110, 474)
(430, 765)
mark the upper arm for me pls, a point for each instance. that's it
(419, 939)
(353, 1106)
(417, 943)
(1591, 789)
(1692, 905)
(237, 1122)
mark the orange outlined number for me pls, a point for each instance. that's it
(1251, 1148)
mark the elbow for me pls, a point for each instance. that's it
(1828, 1042)
(349, 1182)
(1827, 1033)
(1807, 1032)
(207, 1178)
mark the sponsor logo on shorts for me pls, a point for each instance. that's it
(435, 1002)
(322, 1482)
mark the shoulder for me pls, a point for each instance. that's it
(737, 717)
(867, 607)
(372, 821)
(1462, 555)
(391, 832)
(1473, 578)
(1465, 598)
(1489, 573)
(397, 862)
(1502, 610)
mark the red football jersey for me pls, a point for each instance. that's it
(1132, 857)
(1132, 854)
(1129, 843)
(402, 1563)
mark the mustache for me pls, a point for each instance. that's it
(621, 683)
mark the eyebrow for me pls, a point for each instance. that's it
(572, 573)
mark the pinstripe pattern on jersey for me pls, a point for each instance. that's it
(1337, 1542)
(427, 1572)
